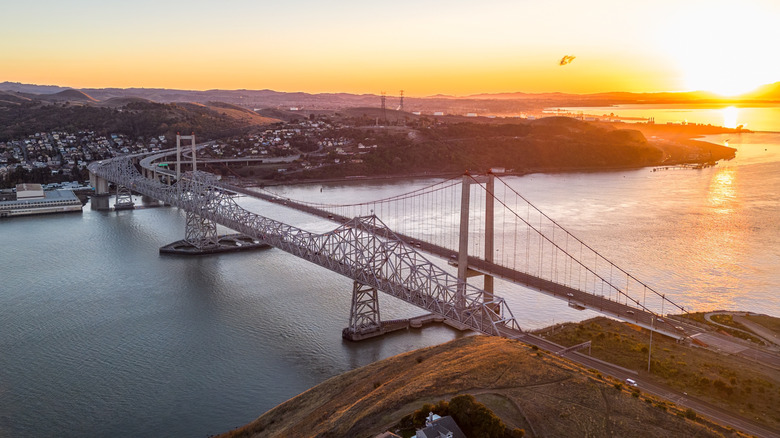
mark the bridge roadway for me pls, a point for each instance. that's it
(378, 260)
(576, 298)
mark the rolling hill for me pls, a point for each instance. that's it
(73, 110)
(544, 395)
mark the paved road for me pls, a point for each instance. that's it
(760, 330)
(717, 414)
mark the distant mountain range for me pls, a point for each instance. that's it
(500, 103)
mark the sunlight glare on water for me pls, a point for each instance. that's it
(730, 115)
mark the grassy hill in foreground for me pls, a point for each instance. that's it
(544, 395)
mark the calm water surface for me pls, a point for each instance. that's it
(102, 336)
(752, 117)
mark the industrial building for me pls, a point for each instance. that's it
(32, 199)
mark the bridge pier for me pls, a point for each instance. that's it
(99, 184)
(200, 232)
(149, 200)
(124, 198)
(99, 202)
(100, 197)
(364, 318)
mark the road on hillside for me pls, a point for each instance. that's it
(717, 414)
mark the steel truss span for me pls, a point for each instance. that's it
(363, 248)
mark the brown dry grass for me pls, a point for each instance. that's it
(730, 382)
(241, 114)
(528, 389)
(771, 323)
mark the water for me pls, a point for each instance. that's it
(752, 117)
(707, 239)
(102, 336)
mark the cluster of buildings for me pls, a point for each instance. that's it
(271, 142)
(60, 152)
(317, 142)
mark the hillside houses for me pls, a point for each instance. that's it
(60, 152)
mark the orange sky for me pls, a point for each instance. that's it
(422, 47)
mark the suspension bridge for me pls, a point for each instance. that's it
(479, 223)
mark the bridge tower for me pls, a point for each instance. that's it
(179, 138)
(364, 318)
(463, 241)
(199, 232)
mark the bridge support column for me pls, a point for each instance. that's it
(364, 319)
(179, 138)
(124, 198)
(463, 242)
(200, 232)
(99, 184)
(489, 235)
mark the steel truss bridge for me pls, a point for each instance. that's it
(533, 250)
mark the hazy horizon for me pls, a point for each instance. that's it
(456, 48)
(389, 93)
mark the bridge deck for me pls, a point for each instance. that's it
(575, 297)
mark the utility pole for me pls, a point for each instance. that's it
(650, 349)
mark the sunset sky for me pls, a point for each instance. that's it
(423, 47)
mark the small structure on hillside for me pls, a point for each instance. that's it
(440, 427)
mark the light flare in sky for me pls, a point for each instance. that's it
(450, 47)
(724, 46)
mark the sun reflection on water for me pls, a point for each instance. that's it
(722, 194)
(730, 117)
(720, 241)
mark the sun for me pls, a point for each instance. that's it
(724, 47)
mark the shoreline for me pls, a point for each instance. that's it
(550, 170)
(662, 142)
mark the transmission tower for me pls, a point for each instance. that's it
(384, 109)
(401, 105)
